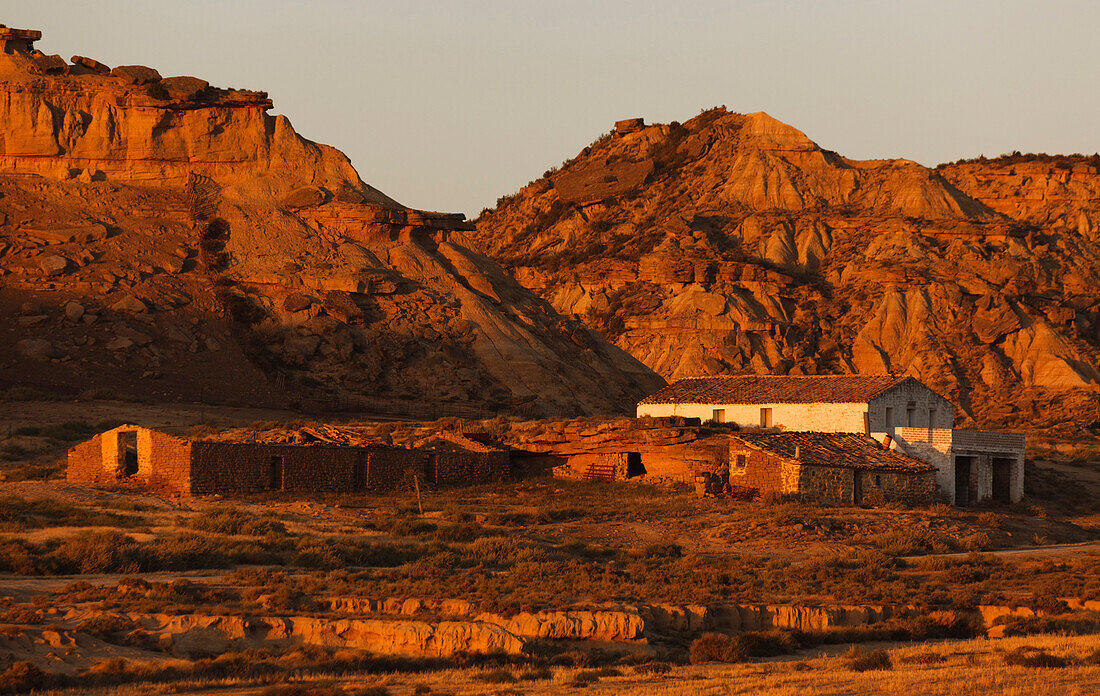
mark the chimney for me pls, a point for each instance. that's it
(797, 452)
(886, 441)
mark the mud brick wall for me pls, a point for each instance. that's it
(826, 484)
(448, 468)
(85, 465)
(917, 487)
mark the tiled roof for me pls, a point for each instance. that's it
(775, 389)
(846, 450)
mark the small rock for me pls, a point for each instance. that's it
(74, 311)
(91, 64)
(30, 308)
(135, 74)
(184, 88)
(33, 320)
(120, 343)
(296, 302)
(131, 305)
(304, 197)
(37, 349)
(53, 264)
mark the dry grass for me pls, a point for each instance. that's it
(976, 667)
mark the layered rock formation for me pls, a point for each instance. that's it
(164, 238)
(733, 244)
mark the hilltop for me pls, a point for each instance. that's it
(732, 243)
(164, 239)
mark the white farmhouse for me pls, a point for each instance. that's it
(971, 465)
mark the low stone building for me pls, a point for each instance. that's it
(194, 466)
(900, 412)
(831, 468)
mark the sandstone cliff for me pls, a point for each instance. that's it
(164, 238)
(733, 243)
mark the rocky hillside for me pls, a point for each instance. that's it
(165, 239)
(733, 243)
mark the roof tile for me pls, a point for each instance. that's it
(844, 450)
(775, 389)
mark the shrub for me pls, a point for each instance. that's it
(861, 661)
(925, 658)
(22, 676)
(107, 625)
(234, 521)
(585, 678)
(990, 520)
(1034, 657)
(539, 674)
(497, 676)
(717, 647)
(653, 668)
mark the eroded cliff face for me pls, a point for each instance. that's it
(733, 243)
(165, 238)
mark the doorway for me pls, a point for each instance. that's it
(127, 453)
(634, 465)
(963, 479)
(1002, 479)
(275, 473)
(857, 488)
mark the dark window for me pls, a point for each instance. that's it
(931, 418)
(911, 417)
(765, 418)
(740, 461)
(718, 415)
(889, 417)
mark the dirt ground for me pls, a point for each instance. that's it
(71, 555)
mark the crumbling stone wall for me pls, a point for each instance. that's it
(85, 464)
(761, 472)
(166, 467)
(457, 467)
(235, 467)
(164, 462)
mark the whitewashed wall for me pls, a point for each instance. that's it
(823, 418)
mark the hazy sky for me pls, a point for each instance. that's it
(447, 104)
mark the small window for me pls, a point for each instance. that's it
(889, 417)
(878, 480)
(765, 418)
(740, 461)
(718, 415)
(911, 417)
(931, 418)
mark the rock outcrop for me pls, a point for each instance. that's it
(746, 247)
(220, 256)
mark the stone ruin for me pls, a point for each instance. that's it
(309, 460)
